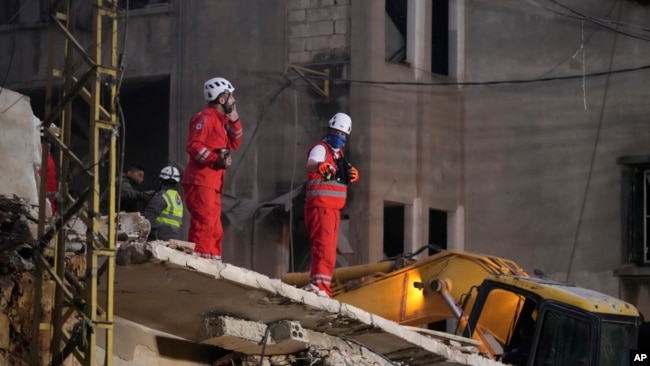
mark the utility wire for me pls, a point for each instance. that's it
(584, 42)
(591, 163)
(478, 83)
(601, 22)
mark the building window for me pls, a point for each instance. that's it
(139, 4)
(9, 11)
(635, 211)
(393, 229)
(396, 11)
(440, 37)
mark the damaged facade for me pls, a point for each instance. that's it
(507, 146)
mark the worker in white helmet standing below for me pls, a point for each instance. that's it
(165, 209)
(328, 176)
(213, 134)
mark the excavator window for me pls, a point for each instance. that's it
(564, 341)
(614, 337)
(523, 332)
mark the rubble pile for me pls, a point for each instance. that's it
(16, 239)
(18, 228)
(16, 281)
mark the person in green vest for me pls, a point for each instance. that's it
(165, 209)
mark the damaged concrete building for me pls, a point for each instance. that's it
(516, 129)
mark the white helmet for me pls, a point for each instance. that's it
(170, 173)
(214, 87)
(53, 129)
(341, 122)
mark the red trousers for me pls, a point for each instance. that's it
(204, 205)
(323, 226)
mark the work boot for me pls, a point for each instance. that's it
(313, 288)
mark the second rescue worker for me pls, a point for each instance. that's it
(328, 176)
(213, 133)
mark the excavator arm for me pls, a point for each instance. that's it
(415, 292)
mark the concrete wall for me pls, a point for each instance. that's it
(542, 186)
(406, 139)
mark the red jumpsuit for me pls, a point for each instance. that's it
(324, 201)
(50, 183)
(209, 131)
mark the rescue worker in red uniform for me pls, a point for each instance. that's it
(213, 134)
(328, 176)
(50, 183)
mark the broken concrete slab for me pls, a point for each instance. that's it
(251, 337)
(176, 292)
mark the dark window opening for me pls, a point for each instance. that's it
(437, 237)
(396, 20)
(145, 104)
(9, 11)
(139, 4)
(437, 229)
(440, 37)
(393, 230)
(635, 210)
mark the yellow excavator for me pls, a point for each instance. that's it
(516, 319)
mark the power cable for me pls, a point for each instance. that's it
(591, 161)
(601, 22)
(479, 83)
(258, 122)
(585, 39)
(118, 107)
(293, 174)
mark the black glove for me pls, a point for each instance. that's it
(223, 159)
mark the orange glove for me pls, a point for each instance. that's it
(354, 174)
(326, 170)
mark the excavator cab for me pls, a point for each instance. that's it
(545, 323)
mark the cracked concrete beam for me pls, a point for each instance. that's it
(249, 337)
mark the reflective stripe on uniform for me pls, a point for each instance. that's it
(202, 155)
(321, 278)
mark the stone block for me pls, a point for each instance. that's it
(296, 16)
(318, 14)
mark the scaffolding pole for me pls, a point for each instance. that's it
(90, 71)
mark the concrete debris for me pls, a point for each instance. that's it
(14, 227)
(260, 320)
(132, 253)
(241, 310)
(249, 337)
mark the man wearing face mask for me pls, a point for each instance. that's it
(328, 176)
(213, 134)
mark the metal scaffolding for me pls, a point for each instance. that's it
(83, 65)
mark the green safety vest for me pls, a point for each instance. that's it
(172, 215)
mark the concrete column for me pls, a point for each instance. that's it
(417, 33)
(413, 222)
(457, 39)
(456, 229)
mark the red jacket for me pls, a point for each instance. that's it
(325, 193)
(209, 130)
